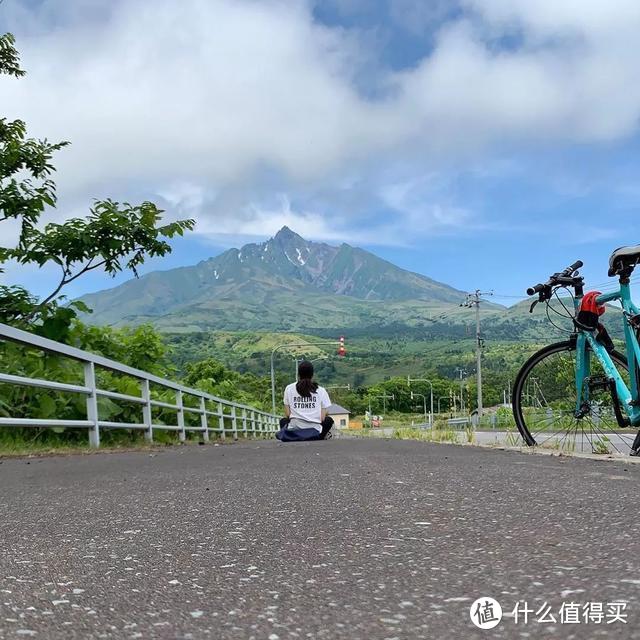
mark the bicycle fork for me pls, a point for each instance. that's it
(612, 381)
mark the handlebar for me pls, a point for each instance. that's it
(562, 277)
(531, 291)
(573, 267)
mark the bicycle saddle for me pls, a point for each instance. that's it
(624, 258)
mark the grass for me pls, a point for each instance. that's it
(513, 438)
(426, 435)
(15, 442)
(601, 446)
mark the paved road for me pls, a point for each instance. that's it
(353, 539)
(618, 444)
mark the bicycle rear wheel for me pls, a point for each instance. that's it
(544, 404)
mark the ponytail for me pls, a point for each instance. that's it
(306, 386)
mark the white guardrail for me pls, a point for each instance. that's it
(230, 417)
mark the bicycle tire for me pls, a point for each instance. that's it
(525, 424)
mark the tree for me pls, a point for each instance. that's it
(113, 237)
(25, 164)
(212, 376)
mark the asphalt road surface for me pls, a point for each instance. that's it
(368, 539)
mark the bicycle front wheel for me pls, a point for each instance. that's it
(544, 404)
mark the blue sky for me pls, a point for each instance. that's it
(484, 143)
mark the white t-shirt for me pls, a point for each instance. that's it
(306, 410)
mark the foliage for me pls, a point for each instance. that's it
(25, 164)
(140, 347)
(113, 237)
(9, 56)
(213, 377)
(371, 360)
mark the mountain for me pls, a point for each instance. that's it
(285, 283)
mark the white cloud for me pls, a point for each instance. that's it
(201, 102)
(209, 90)
(258, 220)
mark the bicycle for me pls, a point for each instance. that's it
(582, 394)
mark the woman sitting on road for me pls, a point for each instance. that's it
(305, 408)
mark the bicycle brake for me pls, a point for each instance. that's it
(634, 321)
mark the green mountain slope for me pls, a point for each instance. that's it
(285, 283)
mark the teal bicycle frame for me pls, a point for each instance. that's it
(629, 398)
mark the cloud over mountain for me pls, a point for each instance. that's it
(220, 93)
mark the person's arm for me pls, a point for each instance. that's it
(285, 400)
(325, 403)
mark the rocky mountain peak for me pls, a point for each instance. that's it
(287, 236)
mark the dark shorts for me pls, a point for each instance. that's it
(303, 435)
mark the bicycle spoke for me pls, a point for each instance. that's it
(546, 404)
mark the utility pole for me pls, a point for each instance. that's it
(384, 397)
(474, 300)
(410, 380)
(424, 404)
(462, 373)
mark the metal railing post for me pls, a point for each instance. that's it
(244, 422)
(92, 404)
(146, 411)
(221, 420)
(234, 422)
(203, 419)
(181, 434)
